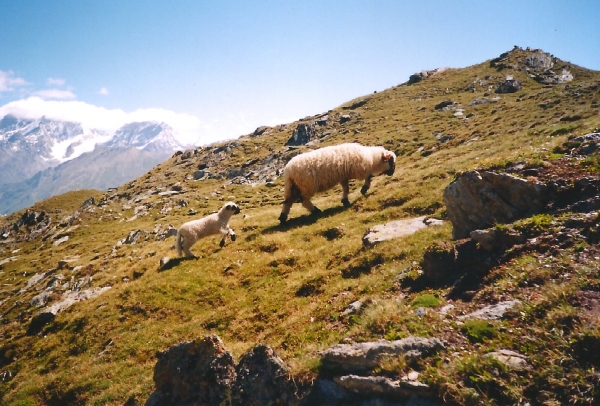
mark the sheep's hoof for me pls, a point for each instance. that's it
(363, 190)
(282, 218)
(316, 211)
(222, 243)
(233, 237)
(346, 202)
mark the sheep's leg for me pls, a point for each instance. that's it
(346, 190)
(285, 210)
(231, 233)
(367, 185)
(292, 195)
(307, 204)
(186, 248)
(224, 232)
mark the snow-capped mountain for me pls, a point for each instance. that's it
(28, 147)
(149, 136)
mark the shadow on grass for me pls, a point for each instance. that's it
(173, 262)
(302, 221)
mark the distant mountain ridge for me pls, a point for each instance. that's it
(48, 150)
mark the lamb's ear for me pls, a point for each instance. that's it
(385, 156)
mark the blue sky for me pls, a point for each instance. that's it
(218, 69)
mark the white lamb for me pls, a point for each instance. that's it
(216, 223)
(320, 170)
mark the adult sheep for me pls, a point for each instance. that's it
(217, 223)
(320, 170)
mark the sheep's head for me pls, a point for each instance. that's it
(231, 207)
(389, 158)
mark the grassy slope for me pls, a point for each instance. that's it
(282, 286)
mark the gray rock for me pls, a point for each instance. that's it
(200, 174)
(510, 85)
(417, 77)
(492, 312)
(384, 387)
(260, 131)
(200, 372)
(443, 105)
(322, 120)
(539, 61)
(397, 229)
(493, 239)
(9, 259)
(34, 280)
(132, 237)
(61, 240)
(69, 298)
(361, 357)
(345, 118)
(263, 379)
(352, 308)
(302, 135)
(41, 299)
(479, 200)
(511, 359)
(477, 102)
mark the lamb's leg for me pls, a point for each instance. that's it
(367, 185)
(224, 232)
(231, 233)
(345, 191)
(186, 249)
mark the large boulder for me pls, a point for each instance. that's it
(477, 200)
(263, 379)
(200, 372)
(510, 85)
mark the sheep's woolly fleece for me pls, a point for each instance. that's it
(217, 223)
(320, 170)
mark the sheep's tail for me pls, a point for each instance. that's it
(178, 242)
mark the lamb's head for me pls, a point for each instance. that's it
(389, 158)
(230, 208)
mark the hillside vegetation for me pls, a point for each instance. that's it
(288, 286)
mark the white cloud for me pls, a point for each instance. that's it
(55, 94)
(8, 82)
(56, 82)
(187, 127)
(104, 91)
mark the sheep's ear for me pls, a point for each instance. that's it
(385, 156)
(228, 207)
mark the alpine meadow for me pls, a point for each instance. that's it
(406, 294)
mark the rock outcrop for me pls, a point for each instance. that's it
(477, 200)
(302, 135)
(200, 372)
(203, 372)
